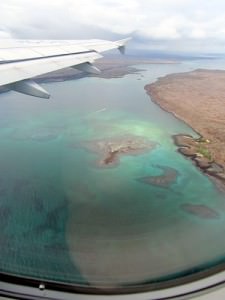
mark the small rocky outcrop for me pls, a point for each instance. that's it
(198, 151)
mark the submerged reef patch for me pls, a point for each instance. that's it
(168, 177)
(200, 210)
(42, 134)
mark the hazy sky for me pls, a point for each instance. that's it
(168, 25)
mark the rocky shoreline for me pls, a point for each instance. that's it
(197, 151)
(197, 98)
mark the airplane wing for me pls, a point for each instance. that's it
(22, 60)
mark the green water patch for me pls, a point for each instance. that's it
(125, 224)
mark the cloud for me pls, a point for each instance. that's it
(166, 23)
(4, 34)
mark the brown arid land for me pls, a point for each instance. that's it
(197, 98)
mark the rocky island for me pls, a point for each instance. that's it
(111, 149)
(197, 98)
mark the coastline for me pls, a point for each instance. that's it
(111, 67)
(206, 164)
(196, 98)
(157, 102)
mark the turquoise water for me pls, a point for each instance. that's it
(65, 219)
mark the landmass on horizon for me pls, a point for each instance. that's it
(110, 66)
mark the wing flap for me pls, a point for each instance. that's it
(17, 71)
(29, 87)
(27, 59)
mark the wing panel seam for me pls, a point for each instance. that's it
(44, 57)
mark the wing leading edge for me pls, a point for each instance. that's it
(23, 60)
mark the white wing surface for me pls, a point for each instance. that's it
(22, 60)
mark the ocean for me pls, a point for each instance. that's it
(66, 218)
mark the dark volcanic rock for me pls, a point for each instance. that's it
(187, 151)
(184, 140)
(215, 168)
(198, 151)
(202, 162)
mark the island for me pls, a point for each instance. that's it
(197, 98)
(111, 149)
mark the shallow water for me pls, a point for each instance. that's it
(65, 218)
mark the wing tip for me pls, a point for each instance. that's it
(122, 44)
